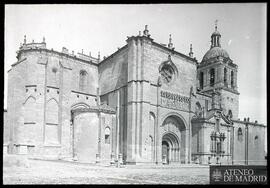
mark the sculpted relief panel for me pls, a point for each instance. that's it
(174, 101)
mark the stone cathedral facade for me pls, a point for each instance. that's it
(144, 104)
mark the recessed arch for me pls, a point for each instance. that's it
(29, 110)
(51, 100)
(178, 116)
(80, 105)
(170, 148)
(174, 132)
(52, 134)
(29, 98)
(83, 80)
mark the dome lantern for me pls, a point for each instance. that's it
(215, 37)
(215, 50)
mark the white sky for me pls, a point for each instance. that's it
(105, 27)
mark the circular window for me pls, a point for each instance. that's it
(167, 73)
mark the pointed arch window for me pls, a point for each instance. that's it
(212, 77)
(83, 80)
(52, 128)
(30, 110)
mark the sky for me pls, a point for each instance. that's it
(104, 28)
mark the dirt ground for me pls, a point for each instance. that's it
(60, 172)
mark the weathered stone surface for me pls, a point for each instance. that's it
(143, 103)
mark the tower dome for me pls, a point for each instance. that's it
(215, 49)
(215, 52)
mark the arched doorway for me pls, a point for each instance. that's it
(173, 134)
(165, 152)
(170, 149)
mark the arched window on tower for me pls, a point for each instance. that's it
(212, 77)
(201, 80)
(232, 79)
(83, 80)
(225, 77)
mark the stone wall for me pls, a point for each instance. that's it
(15, 98)
(230, 101)
(6, 128)
(113, 72)
(250, 145)
(43, 87)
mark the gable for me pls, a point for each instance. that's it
(223, 118)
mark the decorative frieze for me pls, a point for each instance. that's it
(174, 101)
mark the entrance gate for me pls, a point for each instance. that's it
(165, 152)
(170, 149)
(173, 141)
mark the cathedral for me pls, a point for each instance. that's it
(144, 104)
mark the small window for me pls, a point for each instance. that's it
(239, 134)
(256, 139)
(83, 80)
(107, 135)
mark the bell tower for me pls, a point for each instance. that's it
(218, 73)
